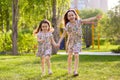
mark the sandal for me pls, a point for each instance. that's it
(75, 74)
(50, 72)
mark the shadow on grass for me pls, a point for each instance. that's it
(51, 77)
(87, 58)
(64, 76)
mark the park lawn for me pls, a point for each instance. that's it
(91, 67)
(103, 48)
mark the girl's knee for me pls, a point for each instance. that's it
(47, 57)
(70, 55)
(76, 55)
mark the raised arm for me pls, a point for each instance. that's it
(91, 19)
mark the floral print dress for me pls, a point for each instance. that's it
(74, 37)
(44, 48)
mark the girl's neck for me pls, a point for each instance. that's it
(73, 22)
(44, 31)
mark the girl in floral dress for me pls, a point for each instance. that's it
(45, 41)
(74, 31)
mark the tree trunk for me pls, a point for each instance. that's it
(54, 24)
(14, 26)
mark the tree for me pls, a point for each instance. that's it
(58, 8)
(14, 26)
(54, 24)
(31, 12)
(111, 25)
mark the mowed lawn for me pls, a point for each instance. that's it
(90, 68)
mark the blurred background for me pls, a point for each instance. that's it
(19, 19)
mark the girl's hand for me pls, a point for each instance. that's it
(58, 45)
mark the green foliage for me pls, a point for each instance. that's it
(26, 42)
(102, 42)
(87, 13)
(31, 12)
(5, 42)
(116, 50)
(110, 24)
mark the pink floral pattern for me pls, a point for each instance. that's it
(74, 36)
(44, 48)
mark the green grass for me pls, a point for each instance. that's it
(90, 68)
(103, 48)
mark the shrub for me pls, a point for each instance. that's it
(116, 50)
(26, 43)
(5, 41)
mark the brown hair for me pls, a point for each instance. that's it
(40, 26)
(66, 14)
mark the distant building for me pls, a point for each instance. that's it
(96, 4)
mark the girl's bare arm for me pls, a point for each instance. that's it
(91, 19)
(53, 42)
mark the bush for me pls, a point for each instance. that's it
(116, 50)
(26, 43)
(5, 41)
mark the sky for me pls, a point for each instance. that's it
(112, 3)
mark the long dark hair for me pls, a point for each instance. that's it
(66, 14)
(40, 26)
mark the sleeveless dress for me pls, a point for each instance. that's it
(74, 41)
(44, 48)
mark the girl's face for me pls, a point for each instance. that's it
(45, 27)
(71, 16)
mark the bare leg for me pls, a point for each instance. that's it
(48, 64)
(43, 65)
(76, 55)
(69, 62)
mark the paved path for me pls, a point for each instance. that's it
(94, 53)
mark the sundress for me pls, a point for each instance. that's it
(44, 48)
(74, 41)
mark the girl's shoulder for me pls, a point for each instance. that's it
(67, 24)
(79, 21)
(39, 33)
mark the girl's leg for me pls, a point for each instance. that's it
(43, 64)
(49, 64)
(69, 62)
(76, 55)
